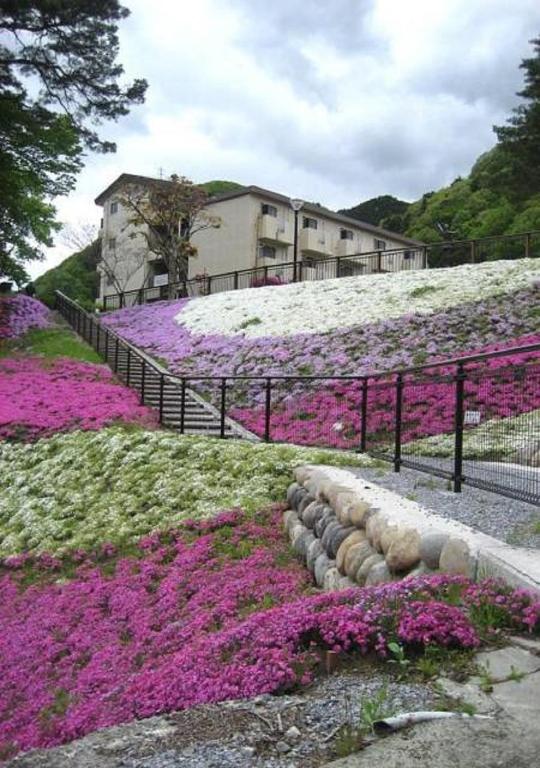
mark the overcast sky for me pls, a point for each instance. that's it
(333, 101)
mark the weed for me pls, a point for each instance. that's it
(486, 679)
(250, 321)
(400, 659)
(423, 290)
(373, 709)
(516, 674)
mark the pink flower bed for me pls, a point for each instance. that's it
(20, 313)
(202, 614)
(39, 397)
(330, 414)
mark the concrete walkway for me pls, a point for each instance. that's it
(508, 692)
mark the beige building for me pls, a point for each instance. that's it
(257, 230)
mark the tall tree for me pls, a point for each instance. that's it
(167, 214)
(58, 78)
(520, 139)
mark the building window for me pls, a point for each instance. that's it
(309, 223)
(380, 245)
(267, 252)
(346, 234)
(112, 244)
(269, 210)
(113, 208)
(408, 255)
(309, 261)
(109, 279)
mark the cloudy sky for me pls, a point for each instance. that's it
(334, 101)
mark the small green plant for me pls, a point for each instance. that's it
(349, 739)
(516, 674)
(399, 658)
(427, 666)
(374, 709)
(486, 679)
(423, 290)
(251, 321)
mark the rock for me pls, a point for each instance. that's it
(305, 502)
(356, 537)
(297, 497)
(309, 514)
(322, 564)
(334, 489)
(529, 454)
(359, 513)
(313, 551)
(332, 526)
(456, 558)
(291, 490)
(346, 583)
(283, 747)
(292, 733)
(303, 473)
(431, 546)
(336, 539)
(356, 556)
(331, 579)
(295, 531)
(342, 506)
(290, 518)
(326, 518)
(388, 536)
(374, 528)
(420, 570)
(248, 751)
(379, 573)
(369, 562)
(404, 551)
(302, 543)
(468, 693)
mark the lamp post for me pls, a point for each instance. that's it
(297, 206)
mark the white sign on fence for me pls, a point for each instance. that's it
(472, 417)
(160, 280)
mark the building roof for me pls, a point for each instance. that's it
(267, 194)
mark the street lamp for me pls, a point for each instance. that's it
(297, 206)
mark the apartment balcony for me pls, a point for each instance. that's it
(272, 231)
(346, 248)
(313, 241)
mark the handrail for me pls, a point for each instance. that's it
(423, 248)
(462, 360)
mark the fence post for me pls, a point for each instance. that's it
(182, 405)
(300, 271)
(143, 380)
(338, 266)
(399, 404)
(161, 388)
(236, 281)
(128, 365)
(363, 416)
(527, 245)
(209, 289)
(223, 389)
(106, 350)
(458, 441)
(473, 251)
(116, 345)
(379, 261)
(267, 406)
(424, 257)
(98, 334)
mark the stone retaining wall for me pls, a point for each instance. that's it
(349, 535)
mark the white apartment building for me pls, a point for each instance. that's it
(256, 230)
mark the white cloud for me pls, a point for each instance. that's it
(334, 101)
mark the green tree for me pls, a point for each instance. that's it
(520, 139)
(167, 213)
(58, 78)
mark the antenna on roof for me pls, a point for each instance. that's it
(160, 172)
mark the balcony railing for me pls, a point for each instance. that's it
(433, 256)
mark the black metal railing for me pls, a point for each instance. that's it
(473, 420)
(436, 255)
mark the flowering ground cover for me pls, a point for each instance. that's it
(117, 484)
(20, 313)
(206, 612)
(39, 397)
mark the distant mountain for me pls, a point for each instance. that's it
(219, 187)
(378, 209)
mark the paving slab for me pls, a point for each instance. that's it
(521, 700)
(456, 743)
(468, 693)
(504, 662)
(528, 643)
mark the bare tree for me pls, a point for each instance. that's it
(167, 213)
(79, 236)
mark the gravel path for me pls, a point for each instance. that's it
(293, 731)
(514, 522)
